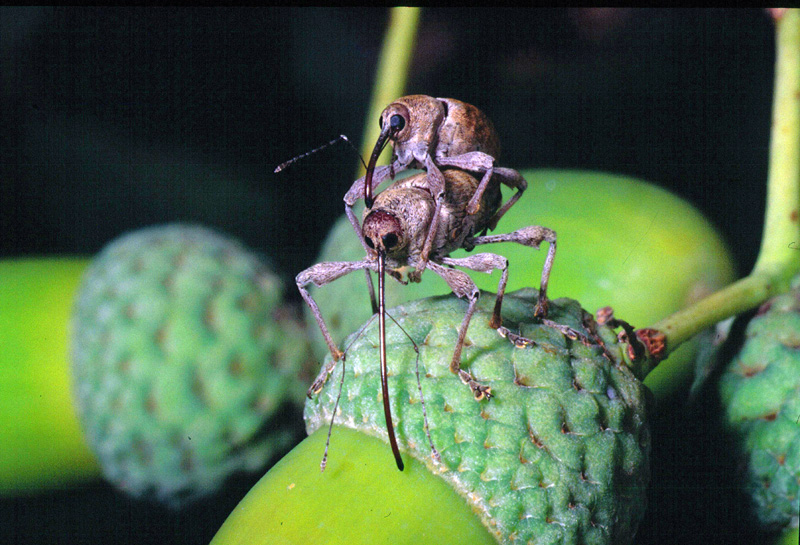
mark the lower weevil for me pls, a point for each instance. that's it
(399, 231)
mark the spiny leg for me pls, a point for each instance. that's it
(514, 180)
(532, 237)
(436, 187)
(319, 275)
(463, 286)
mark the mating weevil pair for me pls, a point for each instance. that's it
(418, 221)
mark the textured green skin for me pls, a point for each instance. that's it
(178, 363)
(761, 393)
(618, 237)
(560, 452)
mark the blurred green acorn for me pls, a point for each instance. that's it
(616, 238)
(182, 359)
(760, 391)
(559, 454)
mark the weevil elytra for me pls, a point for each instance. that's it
(398, 231)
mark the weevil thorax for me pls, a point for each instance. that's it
(420, 117)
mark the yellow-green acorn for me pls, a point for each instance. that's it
(180, 360)
(41, 444)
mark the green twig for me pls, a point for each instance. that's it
(393, 65)
(779, 258)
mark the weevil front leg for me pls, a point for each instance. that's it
(319, 275)
(436, 186)
(463, 286)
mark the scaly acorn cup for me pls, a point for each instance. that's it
(559, 454)
(41, 444)
(616, 238)
(760, 391)
(181, 360)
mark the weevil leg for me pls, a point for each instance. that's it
(436, 185)
(486, 263)
(531, 236)
(356, 191)
(319, 275)
(473, 161)
(514, 180)
(463, 286)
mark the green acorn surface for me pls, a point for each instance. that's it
(179, 362)
(560, 452)
(761, 393)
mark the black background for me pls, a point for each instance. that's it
(115, 119)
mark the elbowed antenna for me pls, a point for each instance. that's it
(340, 138)
(387, 411)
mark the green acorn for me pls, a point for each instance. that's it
(760, 390)
(560, 452)
(181, 358)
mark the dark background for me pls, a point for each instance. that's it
(115, 119)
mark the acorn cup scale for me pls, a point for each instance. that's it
(181, 362)
(559, 452)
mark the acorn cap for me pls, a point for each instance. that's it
(560, 452)
(760, 390)
(181, 359)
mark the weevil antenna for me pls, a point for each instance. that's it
(338, 139)
(357, 336)
(434, 452)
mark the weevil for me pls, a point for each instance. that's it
(433, 134)
(400, 231)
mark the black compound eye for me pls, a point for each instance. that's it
(389, 241)
(397, 122)
(369, 242)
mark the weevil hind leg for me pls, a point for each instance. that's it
(531, 236)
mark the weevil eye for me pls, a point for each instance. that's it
(369, 242)
(397, 122)
(389, 241)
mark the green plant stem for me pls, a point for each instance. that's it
(788, 537)
(393, 67)
(779, 257)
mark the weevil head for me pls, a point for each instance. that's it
(383, 232)
(412, 124)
